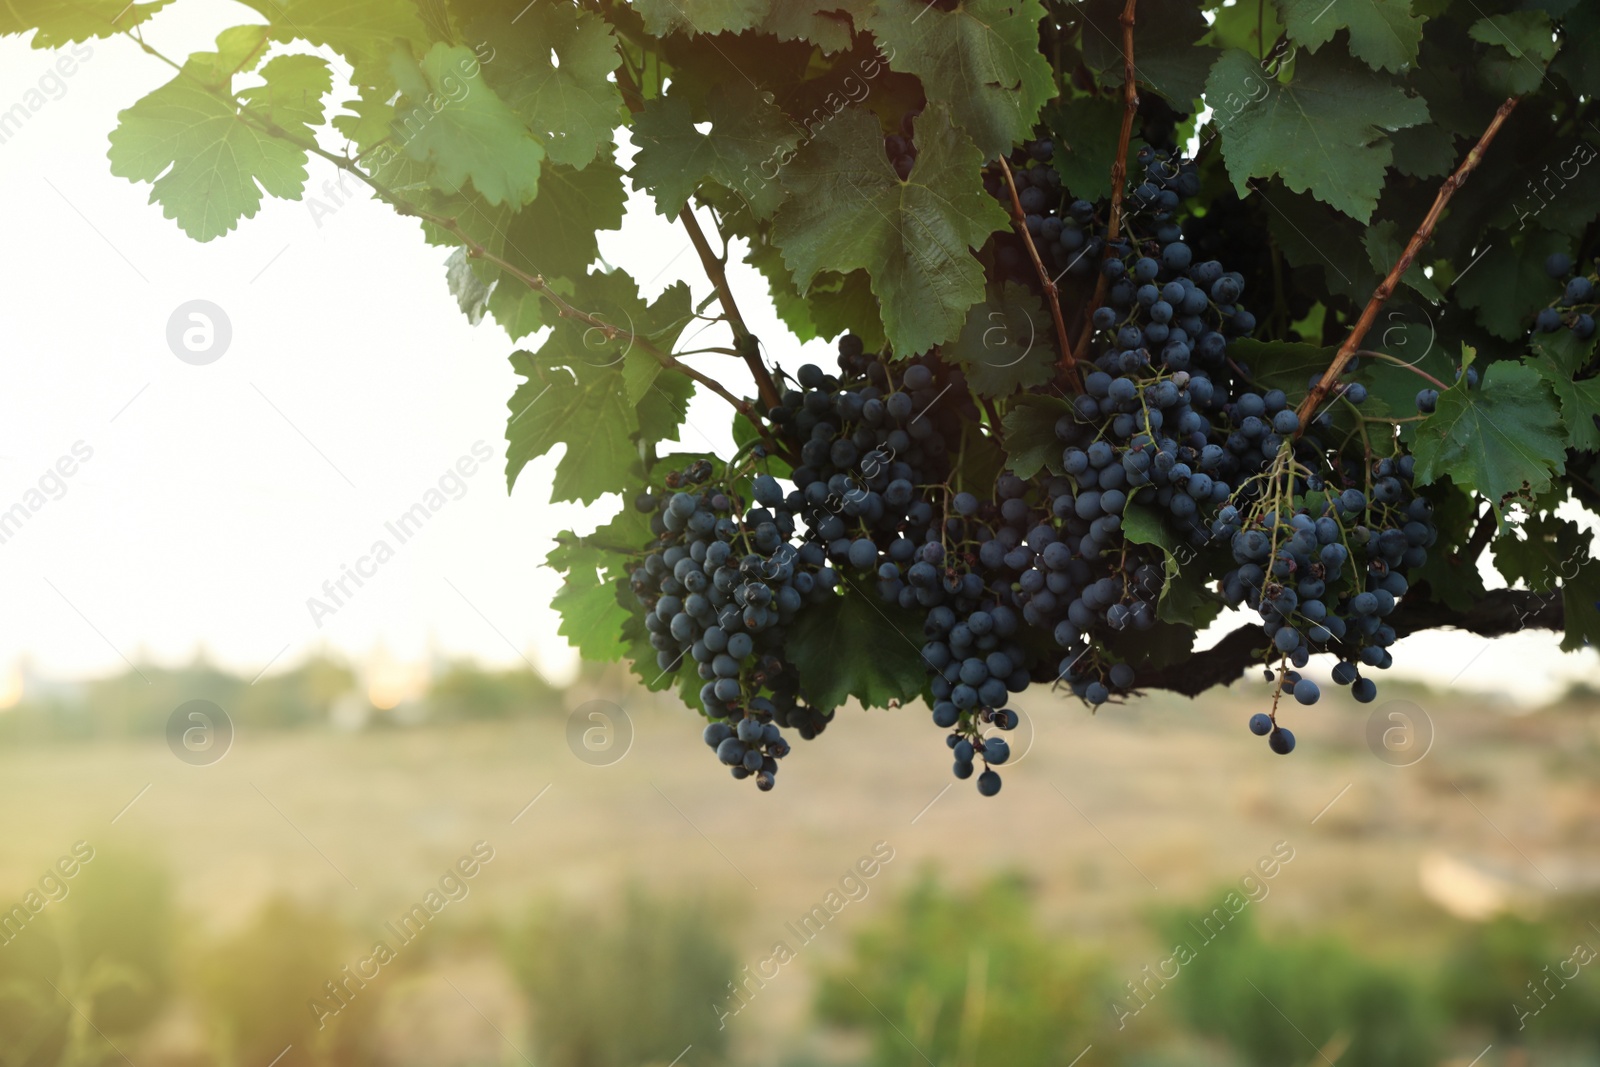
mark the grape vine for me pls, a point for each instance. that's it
(1143, 313)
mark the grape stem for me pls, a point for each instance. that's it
(1119, 165)
(1068, 365)
(1397, 361)
(716, 270)
(1380, 296)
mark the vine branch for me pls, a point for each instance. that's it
(743, 340)
(1380, 296)
(1500, 612)
(1068, 365)
(1119, 164)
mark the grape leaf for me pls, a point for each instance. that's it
(593, 394)
(1322, 133)
(1085, 133)
(747, 131)
(854, 646)
(662, 17)
(1006, 345)
(1579, 61)
(1030, 434)
(1424, 151)
(1455, 515)
(471, 294)
(450, 118)
(1507, 285)
(1182, 602)
(1315, 235)
(1500, 439)
(982, 59)
(824, 23)
(1558, 358)
(555, 70)
(594, 606)
(1541, 552)
(60, 23)
(364, 32)
(1165, 33)
(1384, 34)
(1524, 44)
(982, 461)
(1580, 606)
(848, 210)
(207, 167)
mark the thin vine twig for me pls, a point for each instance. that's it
(1069, 365)
(1119, 165)
(718, 274)
(1380, 296)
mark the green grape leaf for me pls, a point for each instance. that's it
(1501, 439)
(60, 23)
(570, 101)
(1580, 605)
(1541, 552)
(364, 32)
(1579, 61)
(852, 645)
(1086, 131)
(663, 17)
(471, 294)
(1507, 285)
(1524, 45)
(1559, 357)
(1384, 245)
(1183, 601)
(747, 131)
(1030, 434)
(1384, 34)
(1580, 405)
(1006, 345)
(824, 23)
(1455, 515)
(592, 618)
(594, 394)
(981, 462)
(450, 118)
(1166, 54)
(207, 167)
(1424, 151)
(1316, 236)
(1322, 133)
(848, 210)
(982, 59)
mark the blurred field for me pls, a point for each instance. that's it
(1109, 817)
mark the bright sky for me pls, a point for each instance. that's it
(219, 498)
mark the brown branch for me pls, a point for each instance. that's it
(1119, 165)
(1068, 365)
(1380, 296)
(743, 340)
(1498, 613)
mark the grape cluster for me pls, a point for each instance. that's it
(1326, 582)
(720, 586)
(1032, 580)
(1576, 307)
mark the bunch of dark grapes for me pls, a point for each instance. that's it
(1326, 582)
(720, 586)
(1575, 308)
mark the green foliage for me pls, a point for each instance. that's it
(969, 977)
(784, 127)
(619, 983)
(1281, 1000)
